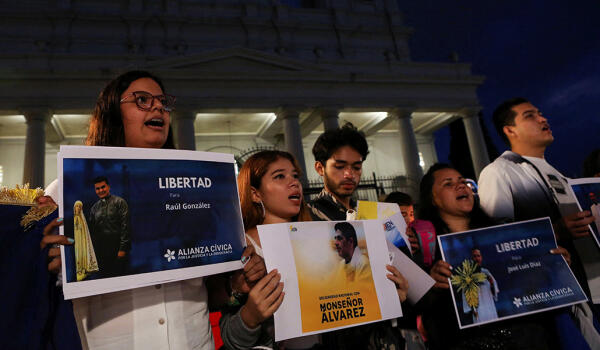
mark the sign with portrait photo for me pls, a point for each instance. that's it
(398, 245)
(507, 271)
(140, 217)
(395, 226)
(334, 275)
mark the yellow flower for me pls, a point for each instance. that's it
(467, 280)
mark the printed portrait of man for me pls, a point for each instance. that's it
(488, 293)
(354, 264)
(109, 229)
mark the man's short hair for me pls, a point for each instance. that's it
(100, 179)
(399, 198)
(347, 231)
(331, 140)
(504, 115)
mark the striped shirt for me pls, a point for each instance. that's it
(327, 208)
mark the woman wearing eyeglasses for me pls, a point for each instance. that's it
(132, 114)
(133, 111)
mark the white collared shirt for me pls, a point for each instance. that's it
(168, 316)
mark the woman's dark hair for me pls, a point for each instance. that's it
(428, 210)
(106, 124)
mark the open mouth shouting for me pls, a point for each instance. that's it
(546, 127)
(156, 123)
(462, 197)
(295, 197)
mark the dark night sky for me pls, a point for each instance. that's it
(545, 51)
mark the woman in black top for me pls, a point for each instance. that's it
(447, 201)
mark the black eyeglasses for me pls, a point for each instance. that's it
(145, 100)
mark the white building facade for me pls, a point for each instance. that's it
(246, 74)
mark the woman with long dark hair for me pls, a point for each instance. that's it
(449, 214)
(134, 111)
(447, 201)
(124, 117)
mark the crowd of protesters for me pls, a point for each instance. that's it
(519, 185)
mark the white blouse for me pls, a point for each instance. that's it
(168, 316)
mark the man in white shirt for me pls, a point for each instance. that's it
(521, 185)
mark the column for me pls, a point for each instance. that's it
(477, 147)
(330, 118)
(35, 146)
(293, 137)
(408, 147)
(183, 129)
(426, 143)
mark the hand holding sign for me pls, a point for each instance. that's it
(520, 259)
(400, 282)
(440, 272)
(264, 299)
